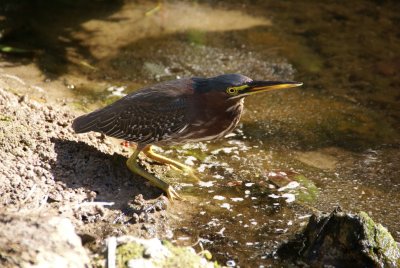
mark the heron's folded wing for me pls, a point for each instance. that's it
(140, 119)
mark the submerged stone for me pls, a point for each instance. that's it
(318, 159)
(300, 187)
(308, 192)
(342, 240)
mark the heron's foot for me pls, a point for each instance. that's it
(135, 168)
(172, 194)
(186, 170)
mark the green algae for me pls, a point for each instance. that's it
(183, 257)
(177, 257)
(309, 192)
(127, 252)
(383, 248)
(342, 239)
(196, 37)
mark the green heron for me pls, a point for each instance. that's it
(175, 112)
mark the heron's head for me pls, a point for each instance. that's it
(236, 86)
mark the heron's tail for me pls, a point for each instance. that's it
(85, 123)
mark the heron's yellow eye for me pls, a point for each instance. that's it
(232, 91)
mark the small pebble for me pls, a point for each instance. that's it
(230, 263)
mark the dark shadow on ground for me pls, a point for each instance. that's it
(80, 165)
(44, 27)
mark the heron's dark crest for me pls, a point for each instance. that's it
(219, 83)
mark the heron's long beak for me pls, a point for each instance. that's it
(264, 86)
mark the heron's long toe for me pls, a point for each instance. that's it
(135, 168)
(172, 194)
(148, 151)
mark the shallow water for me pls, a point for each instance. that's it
(336, 139)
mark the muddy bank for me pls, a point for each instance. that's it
(28, 239)
(45, 167)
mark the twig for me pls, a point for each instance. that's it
(96, 204)
(153, 10)
(33, 189)
(14, 77)
(111, 252)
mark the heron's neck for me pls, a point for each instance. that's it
(234, 104)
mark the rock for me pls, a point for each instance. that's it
(318, 159)
(41, 241)
(138, 253)
(342, 240)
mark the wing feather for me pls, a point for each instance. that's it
(145, 117)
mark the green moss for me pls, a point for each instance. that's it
(178, 257)
(200, 155)
(127, 252)
(309, 193)
(196, 37)
(6, 118)
(383, 248)
(80, 106)
(182, 257)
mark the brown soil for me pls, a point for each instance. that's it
(28, 239)
(46, 167)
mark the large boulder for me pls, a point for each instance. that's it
(342, 240)
(33, 240)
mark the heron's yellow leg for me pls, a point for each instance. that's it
(148, 151)
(135, 168)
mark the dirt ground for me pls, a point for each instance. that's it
(47, 169)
